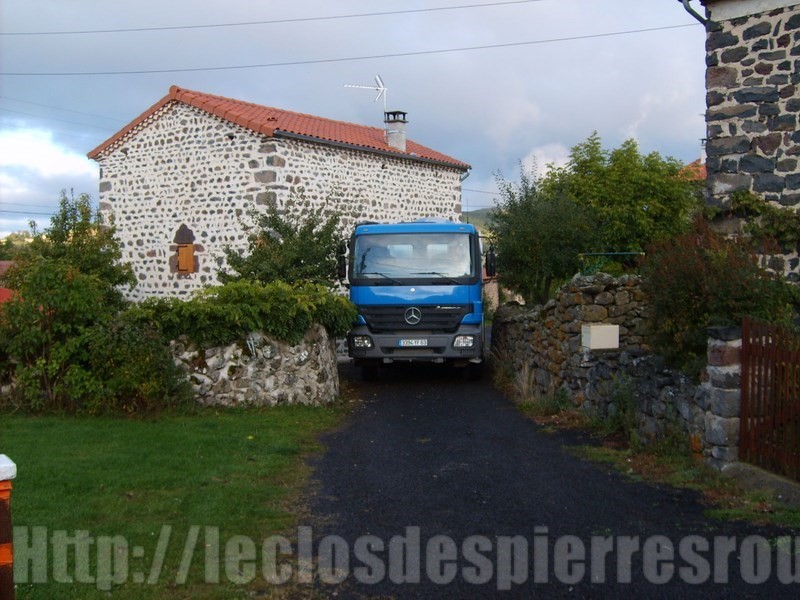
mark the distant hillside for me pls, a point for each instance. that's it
(479, 217)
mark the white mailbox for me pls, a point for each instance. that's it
(600, 337)
(8, 470)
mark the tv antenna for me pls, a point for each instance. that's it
(379, 87)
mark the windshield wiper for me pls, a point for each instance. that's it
(392, 279)
(442, 275)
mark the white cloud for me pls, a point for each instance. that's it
(11, 186)
(542, 157)
(511, 118)
(35, 151)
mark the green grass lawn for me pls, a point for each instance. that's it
(238, 472)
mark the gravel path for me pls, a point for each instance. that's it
(429, 454)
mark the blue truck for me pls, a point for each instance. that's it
(418, 289)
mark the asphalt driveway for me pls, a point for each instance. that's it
(438, 487)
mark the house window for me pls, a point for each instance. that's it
(186, 262)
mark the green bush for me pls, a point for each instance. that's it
(137, 369)
(78, 235)
(67, 349)
(539, 238)
(221, 315)
(700, 279)
(298, 244)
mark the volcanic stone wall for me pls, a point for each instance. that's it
(261, 371)
(542, 347)
(185, 177)
(753, 104)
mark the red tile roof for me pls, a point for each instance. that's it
(695, 171)
(275, 121)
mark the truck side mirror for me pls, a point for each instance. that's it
(491, 263)
(341, 262)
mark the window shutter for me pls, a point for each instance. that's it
(186, 258)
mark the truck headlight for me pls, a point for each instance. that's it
(362, 341)
(464, 341)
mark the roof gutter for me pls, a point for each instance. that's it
(693, 12)
(400, 155)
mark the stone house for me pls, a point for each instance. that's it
(753, 105)
(181, 179)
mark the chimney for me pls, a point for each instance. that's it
(396, 129)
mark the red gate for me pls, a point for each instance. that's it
(770, 416)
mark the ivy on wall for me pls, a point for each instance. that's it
(766, 221)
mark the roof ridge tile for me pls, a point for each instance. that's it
(268, 120)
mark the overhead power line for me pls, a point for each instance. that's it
(481, 192)
(29, 205)
(5, 125)
(271, 22)
(346, 59)
(25, 212)
(77, 112)
(19, 112)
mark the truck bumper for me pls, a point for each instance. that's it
(463, 346)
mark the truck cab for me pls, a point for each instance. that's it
(418, 290)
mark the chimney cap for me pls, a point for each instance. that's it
(395, 115)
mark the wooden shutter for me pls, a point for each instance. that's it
(186, 258)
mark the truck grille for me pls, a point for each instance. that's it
(441, 318)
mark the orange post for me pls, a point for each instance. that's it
(8, 471)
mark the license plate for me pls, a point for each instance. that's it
(415, 343)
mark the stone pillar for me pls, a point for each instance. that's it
(8, 470)
(721, 443)
(752, 103)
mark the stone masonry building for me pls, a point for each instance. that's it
(752, 79)
(753, 104)
(181, 179)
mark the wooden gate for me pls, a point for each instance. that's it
(770, 416)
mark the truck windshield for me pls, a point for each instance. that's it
(413, 256)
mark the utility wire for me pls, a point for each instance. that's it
(25, 212)
(77, 112)
(481, 192)
(19, 112)
(272, 22)
(6, 125)
(351, 58)
(27, 205)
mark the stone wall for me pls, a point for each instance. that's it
(261, 371)
(753, 104)
(187, 177)
(543, 344)
(546, 341)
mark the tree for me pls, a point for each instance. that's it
(288, 247)
(78, 236)
(539, 238)
(702, 278)
(637, 198)
(64, 342)
(7, 249)
(13, 243)
(67, 347)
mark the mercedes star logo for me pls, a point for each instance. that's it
(413, 315)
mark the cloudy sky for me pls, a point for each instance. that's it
(492, 83)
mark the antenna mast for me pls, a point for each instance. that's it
(379, 87)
